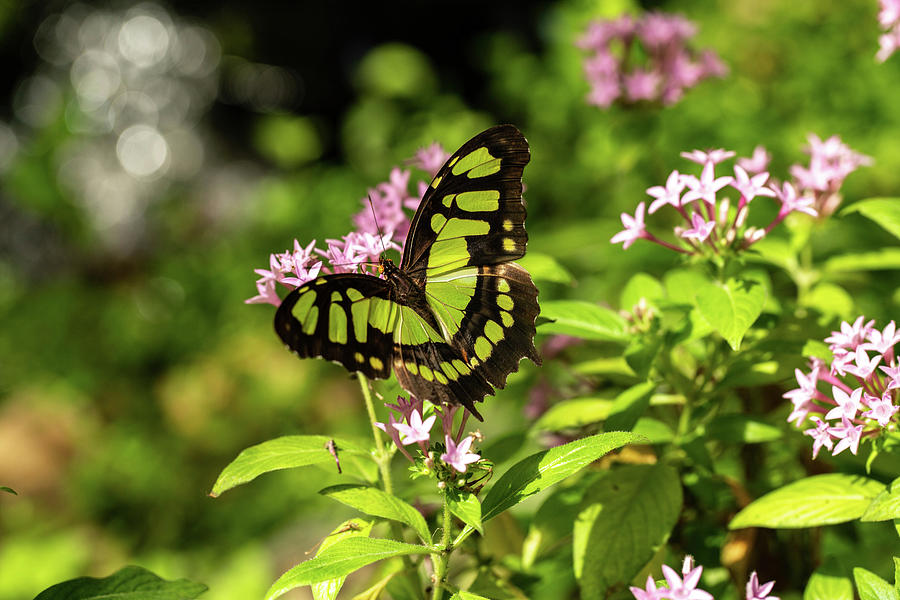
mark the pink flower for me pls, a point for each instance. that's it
(700, 229)
(787, 194)
(850, 336)
(847, 405)
(459, 456)
(650, 591)
(802, 397)
(849, 436)
(634, 228)
(670, 194)
(430, 159)
(604, 92)
(707, 185)
(821, 435)
(757, 163)
(417, 430)
(863, 366)
(394, 434)
(883, 341)
(712, 156)
(881, 409)
(893, 374)
(751, 187)
(685, 589)
(755, 591)
(641, 84)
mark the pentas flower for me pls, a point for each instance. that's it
(644, 59)
(718, 224)
(863, 388)
(889, 19)
(830, 162)
(684, 587)
(458, 455)
(381, 225)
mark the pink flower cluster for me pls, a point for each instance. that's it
(685, 587)
(713, 225)
(412, 429)
(380, 226)
(863, 377)
(615, 68)
(829, 164)
(889, 19)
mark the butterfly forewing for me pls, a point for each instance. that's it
(346, 318)
(472, 213)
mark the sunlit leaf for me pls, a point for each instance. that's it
(886, 258)
(544, 469)
(466, 506)
(810, 502)
(378, 503)
(345, 557)
(886, 505)
(582, 319)
(629, 406)
(571, 414)
(826, 585)
(731, 307)
(872, 587)
(329, 589)
(130, 583)
(736, 428)
(281, 453)
(885, 212)
(543, 267)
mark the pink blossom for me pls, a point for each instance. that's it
(881, 409)
(706, 187)
(641, 85)
(416, 430)
(790, 202)
(849, 436)
(430, 159)
(686, 588)
(670, 194)
(893, 374)
(883, 341)
(755, 591)
(751, 187)
(821, 435)
(863, 366)
(700, 229)
(458, 456)
(634, 228)
(847, 405)
(710, 156)
(650, 591)
(850, 336)
(757, 163)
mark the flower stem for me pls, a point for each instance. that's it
(439, 560)
(381, 456)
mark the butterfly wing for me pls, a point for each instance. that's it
(346, 318)
(469, 226)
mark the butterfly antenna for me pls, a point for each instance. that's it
(377, 226)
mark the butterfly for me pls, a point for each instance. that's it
(457, 315)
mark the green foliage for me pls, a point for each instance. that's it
(129, 583)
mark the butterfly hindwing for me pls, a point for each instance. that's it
(472, 213)
(345, 318)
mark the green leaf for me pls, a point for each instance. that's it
(817, 349)
(896, 573)
(571, 414)
(466, 506)
(281, 453)
(826, 585)
(810, 502)
(886, 258)
(741, 428)
(463, 595)
(8, 490)
(831, 300)
(654, 430)
(582, 319)
(625, 518)
(378, 503)
(130, 583)
(886, 505)
(328, 590)
(552, 522)
(544, 267)
(641, 354)
(629, 406)
(884, 211)
(872, 587)
(732, 307)
(343, 558)
(640, 286)
(374, 591)
(682, 284)
(544, 469)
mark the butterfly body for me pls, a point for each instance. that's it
(457, 315)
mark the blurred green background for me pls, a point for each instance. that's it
(153, 155)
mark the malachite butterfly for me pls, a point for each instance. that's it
(457, 316)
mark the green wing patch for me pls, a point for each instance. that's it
(345, 318)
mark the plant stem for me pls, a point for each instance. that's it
(439, 560)
(381, 456)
